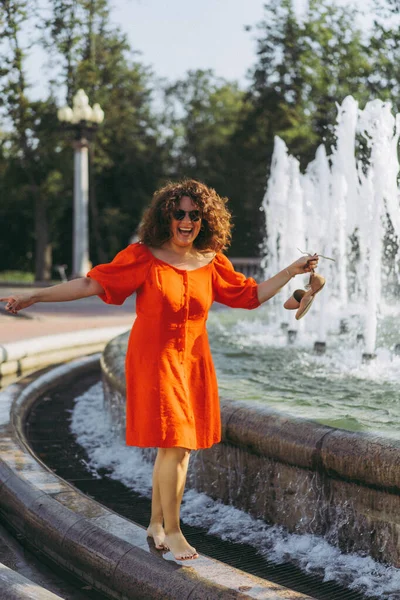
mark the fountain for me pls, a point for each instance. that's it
(345, 208)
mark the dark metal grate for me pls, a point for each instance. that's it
(48, 432)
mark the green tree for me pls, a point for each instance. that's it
(127, 156)
(384, 45)
(202, 112)
(303, 68)
(36, 179)
(29, 179)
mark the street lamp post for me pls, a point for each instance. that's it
(84, 121)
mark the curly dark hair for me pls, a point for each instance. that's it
(215, 232)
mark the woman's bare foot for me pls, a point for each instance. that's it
(156, 531)
(180, 547)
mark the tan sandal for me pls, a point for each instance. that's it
(314, 286)
(294, 301)
(301, 299)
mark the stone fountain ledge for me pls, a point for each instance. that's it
(294, 472)
(17, 357)
(106, 551)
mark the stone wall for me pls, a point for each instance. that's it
(307, 477)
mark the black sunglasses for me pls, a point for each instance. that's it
(179, 214)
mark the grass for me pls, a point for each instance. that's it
(17, 276)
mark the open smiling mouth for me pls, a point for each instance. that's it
(185, 232)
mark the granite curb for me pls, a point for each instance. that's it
(361, 457)
(17, 357)
(19, 587)
(106, 551)
(292, 472)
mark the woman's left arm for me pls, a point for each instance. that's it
(267, 289)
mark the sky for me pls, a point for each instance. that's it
(181, 34)
(177, 35)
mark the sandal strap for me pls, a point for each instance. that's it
(319, 255)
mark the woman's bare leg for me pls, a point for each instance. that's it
(172, 471)
(156, 528)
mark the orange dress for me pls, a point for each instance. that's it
(172, 394)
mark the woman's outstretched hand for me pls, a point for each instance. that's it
(15, 303)
(305, 264)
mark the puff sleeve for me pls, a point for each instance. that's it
(124, 274)
(233, 288)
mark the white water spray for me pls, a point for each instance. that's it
(343, 206)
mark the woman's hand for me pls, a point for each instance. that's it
(305, 264)
(17, 302)
(267, 289)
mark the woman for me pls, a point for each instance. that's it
(177, 270)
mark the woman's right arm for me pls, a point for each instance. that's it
(71, 290)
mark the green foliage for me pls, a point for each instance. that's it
(85, 51)
(22, 167)
(384, 46)
(201, 116)
(126, 156)
(206, 127)
(17, 276)
(303, 68)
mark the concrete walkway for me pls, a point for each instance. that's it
(49, 318)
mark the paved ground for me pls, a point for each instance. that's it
(47, 318)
